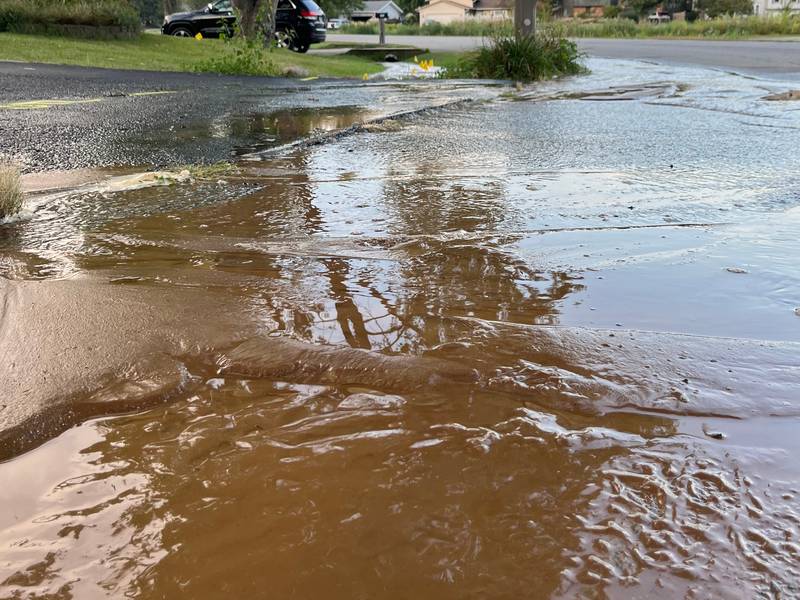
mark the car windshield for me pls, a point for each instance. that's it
(312, 6)
(222, 6)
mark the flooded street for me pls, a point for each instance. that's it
(535, 344)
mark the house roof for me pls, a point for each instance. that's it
(374, 6)
(459, 3)
(492, 5)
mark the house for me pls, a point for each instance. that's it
(449, 11)
(492, 10)
(444, 11)
(371, 7)
(775, 7)
(592, 8)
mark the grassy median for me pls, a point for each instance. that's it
(164, 53)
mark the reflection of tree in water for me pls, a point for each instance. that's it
(431, 205)
(407, 307)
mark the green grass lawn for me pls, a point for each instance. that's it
(162, 53)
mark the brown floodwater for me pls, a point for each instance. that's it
(543, 348)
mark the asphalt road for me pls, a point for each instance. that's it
(115, 117)
(120, 117)
(778, 58)
(55, 117)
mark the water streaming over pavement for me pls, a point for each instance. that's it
(536, 347)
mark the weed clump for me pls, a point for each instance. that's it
(240, 56)
(212, 171)
(10, 191)
(530, 58)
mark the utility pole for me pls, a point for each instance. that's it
(524, 18)
(382, 24)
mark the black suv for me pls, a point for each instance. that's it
(298, 23)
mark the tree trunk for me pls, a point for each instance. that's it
(257, 18)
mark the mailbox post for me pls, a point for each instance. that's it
(382, 24)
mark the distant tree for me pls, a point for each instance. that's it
(643, 7)
(716, 8)
(153, 11)
(150, 11)
(409, 6)
(340, 8)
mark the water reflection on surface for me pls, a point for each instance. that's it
(537, 349)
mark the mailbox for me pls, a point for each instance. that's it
(381, 15)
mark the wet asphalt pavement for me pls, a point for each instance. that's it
(158, 119)
(100, 132)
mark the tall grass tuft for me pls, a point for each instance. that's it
(721, 27)
(727, 27)
(543, 56)
(10, 191)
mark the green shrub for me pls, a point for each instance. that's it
(10, 191)
(240, 56)
(23, 15)
(526, 59)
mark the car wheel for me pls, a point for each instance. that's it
(285, 39)
(182, 32)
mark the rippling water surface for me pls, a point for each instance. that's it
(534, 347)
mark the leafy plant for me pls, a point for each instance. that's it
(240, 56)
(542, 56)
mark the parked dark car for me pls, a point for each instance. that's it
(298, 23)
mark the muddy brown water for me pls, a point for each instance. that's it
(538, 348)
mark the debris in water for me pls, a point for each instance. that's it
(717, 435)
(784, 96)
(736, 270)
(215, 383)
(365, 400)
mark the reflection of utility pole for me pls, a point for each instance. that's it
(525, 18)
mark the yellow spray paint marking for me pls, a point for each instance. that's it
(159, 93)
(34, 104)
(40, 104)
